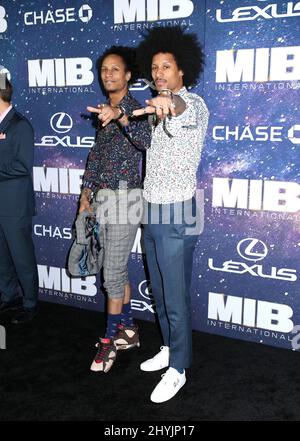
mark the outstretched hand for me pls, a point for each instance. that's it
(161, 105)
(105, 113)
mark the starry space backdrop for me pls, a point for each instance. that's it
(250, 255)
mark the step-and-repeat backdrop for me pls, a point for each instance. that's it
(245, 278)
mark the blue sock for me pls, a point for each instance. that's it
(126, 316)
(179, 370)
(112, 325)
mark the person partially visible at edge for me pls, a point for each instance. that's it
(18, 267)
(173, 59)
(113, 167)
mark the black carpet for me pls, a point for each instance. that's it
(45, 376)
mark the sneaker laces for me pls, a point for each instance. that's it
(102, 350)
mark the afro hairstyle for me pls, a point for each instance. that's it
(185, 48)
(128, 55)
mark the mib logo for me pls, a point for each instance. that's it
(60, 72)
(252, 250)
(54, 278)
(250, 312)
(3, 21)
(268, 12)
(255, 194)
(129, 11)
(62, 123)
(58, 16)
(57, 180)
(258, 65)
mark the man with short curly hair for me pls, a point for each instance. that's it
(113, 175)
(173, 59)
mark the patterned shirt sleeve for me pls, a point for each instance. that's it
(107, 165)
(139, 133)
(138, 130)
(90, 179)
(194, 118)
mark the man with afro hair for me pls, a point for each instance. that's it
(173, 60)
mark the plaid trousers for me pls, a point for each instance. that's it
(113, 214)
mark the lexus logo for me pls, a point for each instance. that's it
(145, 290)
(140, 84)
(252, 249)
(61, 122)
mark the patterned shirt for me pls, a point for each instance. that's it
(172, 162)
(117, 152)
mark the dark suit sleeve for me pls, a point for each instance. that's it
(21, 163)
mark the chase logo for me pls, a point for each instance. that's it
(61, 122)
(252, 249)
(294, 134)
(85, 13)
(257, 133)
(3, 21)
(57, 16)
(129, 11)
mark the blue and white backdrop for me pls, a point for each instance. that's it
(245, 279)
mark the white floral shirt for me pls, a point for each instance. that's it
(172, 162)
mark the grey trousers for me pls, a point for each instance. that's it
(120, 213)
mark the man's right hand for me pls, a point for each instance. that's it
(85, 205)
(85, 201)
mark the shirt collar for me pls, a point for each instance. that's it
(124, 100)
(182, 91)
(3, 114)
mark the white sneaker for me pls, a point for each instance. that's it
(159, 361)
(171, 382)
